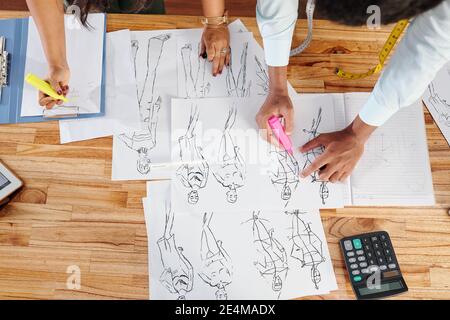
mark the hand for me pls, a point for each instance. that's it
(215, 40)
(58, 78)
(279, 105)
(343, 150)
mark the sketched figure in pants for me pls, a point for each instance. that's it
(272, 259)
(178, 274)
(217, 269)
(239, 86)
(306, 247)
(324, 192)
(286, 174)
(230, 172)
(149, 104)
(194, 172)
(194, 78)
(440, 105)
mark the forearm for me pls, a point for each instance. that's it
(278, 80)
(49, 18)
(360, 129)
(213, 8)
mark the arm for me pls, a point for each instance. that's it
(49, 18)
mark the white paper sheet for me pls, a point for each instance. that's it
(222, 162)
(229, 255)
(437, 100)
(85, 58)
(395, 168)
(122, 109)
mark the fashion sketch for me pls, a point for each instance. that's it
(178, 274)
(195, 74)
(262, 77)
(216, 265)
(310, 156)
(440, 105)
(306, 247)
(238, 84)
(230, 170)
(271, 259)
(285, 173)
(194, 171)
(142, 142)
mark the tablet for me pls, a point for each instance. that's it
(9, 183)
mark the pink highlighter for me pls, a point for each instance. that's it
(280, 133)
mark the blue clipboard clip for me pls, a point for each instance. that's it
(4, 59)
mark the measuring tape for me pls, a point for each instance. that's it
(384, 54)
(310, 7)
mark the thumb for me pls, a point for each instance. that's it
(56, 85)
(313, 144)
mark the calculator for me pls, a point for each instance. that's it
(372, 265)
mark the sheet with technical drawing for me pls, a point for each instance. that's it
(228, 255)
(222, 162)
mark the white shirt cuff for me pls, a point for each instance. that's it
(374, 113)
(277, 52)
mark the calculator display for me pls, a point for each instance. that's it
(4, 182)
(396, 285)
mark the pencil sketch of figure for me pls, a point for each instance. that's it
(306, 247)
(263, 78)
(271, 260)
(230, 170)
(217, 268)
(195, 75)
(285, 173)
(239, 86)
(310, 156)
(178, 274)
(143, 142)
(194, 171)
(440, 105)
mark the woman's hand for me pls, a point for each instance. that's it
(216, 45)
(59, 80)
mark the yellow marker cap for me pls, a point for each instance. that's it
(44, 86)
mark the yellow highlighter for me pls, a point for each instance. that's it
(44, 86)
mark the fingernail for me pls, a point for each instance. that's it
(204, 55)
(59, 92)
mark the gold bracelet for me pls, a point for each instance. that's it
(215, 21)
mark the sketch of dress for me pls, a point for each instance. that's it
(440, 105)
(195, 74)
(194, 171)
(310, 156)
(239, 86)
(217, 268)
(271, 260)
(306, 247)
(230, 171)
(143, 142)
(285, 174)
(263, 78)
(178, 274)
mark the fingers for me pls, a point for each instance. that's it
(335, 177)
(320, 161)
(313, 144)
(288, 116)
(221, 62)
(57, 86)
(202, 49)
(344, 176)
(228, 58)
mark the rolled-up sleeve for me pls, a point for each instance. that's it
(424, 50)
(276, 20)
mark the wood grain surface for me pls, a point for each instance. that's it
(70, 213)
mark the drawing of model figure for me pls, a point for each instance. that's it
(272, 257)
(238, 86)
(178, 274)
(306, 247)
(217, 268)
(285, 175)
(263, 78)
(324, 192)
(440, 105)
(194, 172)
(149, 104)
(194, 77)
(230, 171)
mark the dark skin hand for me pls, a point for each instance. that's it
(214, 40)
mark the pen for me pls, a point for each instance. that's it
(44, 86)
(280, 133)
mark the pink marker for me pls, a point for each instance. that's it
(278, 130)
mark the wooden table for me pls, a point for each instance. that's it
(70, 213)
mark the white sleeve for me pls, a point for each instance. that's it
(276, 20)
(424, 50)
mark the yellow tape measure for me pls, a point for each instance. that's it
(384, 54)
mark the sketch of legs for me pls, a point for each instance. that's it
(272, 257)
(194, 171)
(263, 77)
(178, 274)
(195, 78)
(217, 268)
(285, 175)
(238, 86)
(306, 247)
(440, 105)
(230, 171)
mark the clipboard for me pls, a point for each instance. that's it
(13, 52)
